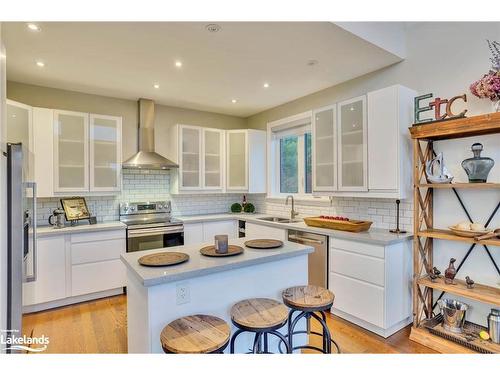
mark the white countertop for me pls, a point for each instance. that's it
(374, 236)
(200, 265)
(81, 228)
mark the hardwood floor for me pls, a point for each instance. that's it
(101, 327)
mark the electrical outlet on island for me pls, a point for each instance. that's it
(183, 295)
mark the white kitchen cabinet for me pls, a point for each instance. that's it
(213, 158)
(200, 154)
(253, 230)
(246, 161)
(50, 283)
(105, 152)
(372, 284)
(43, 148)
(19, 129)
(193, 233)
(71, 156)
(390, 112)
(324, 150)
(352, 145)
(212, 228)
(76, 267)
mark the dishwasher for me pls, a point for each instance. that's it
(318, 260)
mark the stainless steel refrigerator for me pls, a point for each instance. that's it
(21, 236)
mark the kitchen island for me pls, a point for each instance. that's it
(205, 285)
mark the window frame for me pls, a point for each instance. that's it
(273, 161)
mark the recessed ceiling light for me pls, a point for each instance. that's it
(233, 101)
(213, 27)
(40, 64)
(14, 115)
(266, 85)
(156, 86)
(352, 108)
(33, 27)
(178, 64)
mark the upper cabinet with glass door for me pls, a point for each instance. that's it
(352, 145)
(213, 148)
(71, 159)
(324, 150)
(105, 152)
(190, 157)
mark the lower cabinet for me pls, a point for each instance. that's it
(372, 284)
(195, 233)
(50, 283)
(73, 267)
(263, 231)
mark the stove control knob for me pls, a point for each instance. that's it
(132, 209)
(160, 206)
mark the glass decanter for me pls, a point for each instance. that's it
(477, 167)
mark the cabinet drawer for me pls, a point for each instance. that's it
(98, 236)
(357, 298)
(357, 247)
(96, 277)
(360, 267)
(86, 252)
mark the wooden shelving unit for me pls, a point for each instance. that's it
(423, 137)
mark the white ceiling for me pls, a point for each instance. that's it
(125, 59)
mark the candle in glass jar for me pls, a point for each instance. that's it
(221, 243)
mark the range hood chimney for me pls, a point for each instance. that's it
(146, 157)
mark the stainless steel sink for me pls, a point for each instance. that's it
(280, 219)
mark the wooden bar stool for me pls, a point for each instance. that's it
(309, 301)
(195, 334)
(263, 316)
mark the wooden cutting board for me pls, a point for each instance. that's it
(162, 259)
(263, 243)
(209, 251)
(349, 226)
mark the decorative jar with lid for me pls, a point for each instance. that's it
(477, 167)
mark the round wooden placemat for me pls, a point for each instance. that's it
(263, 243)
(209, 251)
(166, 258)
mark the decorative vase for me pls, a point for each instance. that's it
(496, 106)
(477, 167)
(450, 272)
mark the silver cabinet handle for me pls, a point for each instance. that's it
(33, 278)
(304, 239)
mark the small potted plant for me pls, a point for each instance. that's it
(488, 87)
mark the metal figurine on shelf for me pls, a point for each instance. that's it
(397, 230)
(469, 282)
(437, 106)
(442, 175)
(450, 272)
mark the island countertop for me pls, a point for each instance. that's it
(200, 265)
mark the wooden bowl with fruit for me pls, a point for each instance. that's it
(338, 223)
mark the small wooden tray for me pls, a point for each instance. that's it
(209, 251)
(162, 259)
(469, 338)
(262, 243)
(349, 226)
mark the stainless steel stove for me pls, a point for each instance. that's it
(150, 225)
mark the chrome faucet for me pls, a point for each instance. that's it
(293, 213)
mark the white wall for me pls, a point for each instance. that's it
(442, 58)
(3, 197)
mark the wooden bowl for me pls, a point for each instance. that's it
(468, 233)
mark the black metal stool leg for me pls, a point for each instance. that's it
(233, 339)
(257, 343)
(266, 343)
(282, 339)
(326, 334)
(292, 326)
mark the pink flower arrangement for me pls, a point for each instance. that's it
(488, 86)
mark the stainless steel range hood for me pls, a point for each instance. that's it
(146, 157)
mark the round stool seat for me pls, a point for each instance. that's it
(259, 314)
(308, 298)
(195, 334)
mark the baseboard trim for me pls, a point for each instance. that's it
(71, 300)
(384, 332)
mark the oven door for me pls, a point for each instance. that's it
(139, 239)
